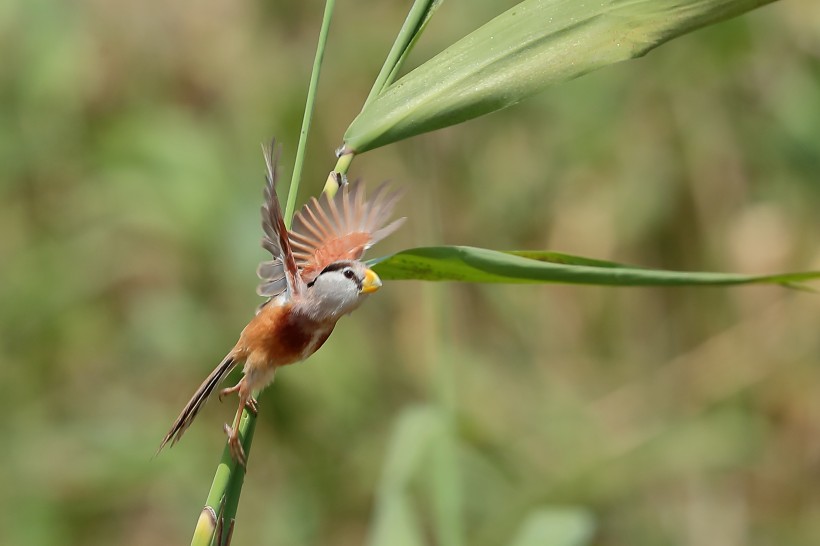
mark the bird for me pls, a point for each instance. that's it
(315, 277)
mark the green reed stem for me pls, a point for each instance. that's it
(306, 119)
(246, 429)
(414, 24)
(216, 521)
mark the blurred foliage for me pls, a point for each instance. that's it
(130, 180)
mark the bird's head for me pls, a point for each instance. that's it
(340, 288)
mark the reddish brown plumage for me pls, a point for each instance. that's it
(277, 337)
(331, 229)
(350, 247)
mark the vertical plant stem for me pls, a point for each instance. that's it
(215, 524)
(306, 119)
(417, 19)
(246, 428)
(414, 24)
(341, 168)
(216, 521)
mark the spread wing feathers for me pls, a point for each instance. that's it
(328, 230)
(197, 401)
(279, 274)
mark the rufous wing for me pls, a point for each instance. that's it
(281, 273)
(328, 230)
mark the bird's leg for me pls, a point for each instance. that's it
(230, 390)
(251, 403)
(237, 452)
(245, 401)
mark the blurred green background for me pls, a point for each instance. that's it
(130, 182)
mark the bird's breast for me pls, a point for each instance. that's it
(278, 336)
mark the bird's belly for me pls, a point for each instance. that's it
(257, 377)
(277, 337)
(281, 352)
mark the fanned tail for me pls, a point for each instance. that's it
(198, 400)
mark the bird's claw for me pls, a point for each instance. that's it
(252, 406)
(229, 390)
(237, 452)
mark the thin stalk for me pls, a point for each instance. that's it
(215, 524)
(306, 119)
(417, 19)
(211, 514)
(246, 429)
(216, 521)
(340, 170)
(414, 24)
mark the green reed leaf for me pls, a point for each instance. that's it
(469, 264)
(532, 45)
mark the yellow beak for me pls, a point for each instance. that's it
(371, 283)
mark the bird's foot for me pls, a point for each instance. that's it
(252, 406)
(237, 452)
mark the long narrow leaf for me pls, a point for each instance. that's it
(469, 264)
(523, 50)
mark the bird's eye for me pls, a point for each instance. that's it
(348, 273)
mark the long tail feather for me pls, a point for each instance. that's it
(198, 400)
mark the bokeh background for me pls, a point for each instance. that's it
(130, 181)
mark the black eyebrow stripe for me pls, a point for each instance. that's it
(335, 266)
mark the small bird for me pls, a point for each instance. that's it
(314, 278)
